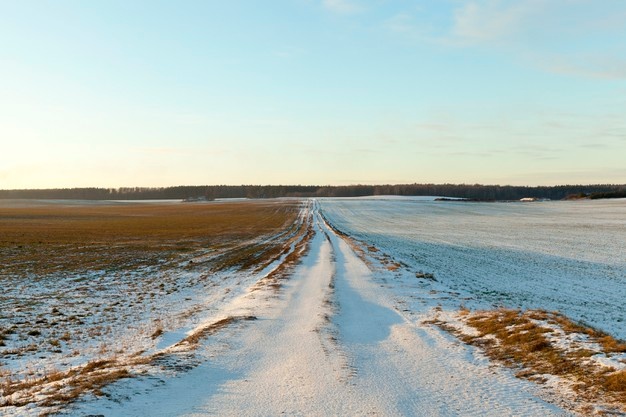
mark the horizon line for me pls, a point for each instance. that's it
(319, 186)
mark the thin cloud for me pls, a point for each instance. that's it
(403, 23)
(589, 176)
(367, 151)
(340, 6)
(536, 148)
(600, 66)
(470, 154)
(437, 127)
(490, 21)
(177, 151)
(595, 146)
(569, 37)
(542, 29)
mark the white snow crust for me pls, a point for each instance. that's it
(342, 336)
(559, 255)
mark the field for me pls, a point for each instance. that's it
(368, 306)
(86, 283)
(537, 287)
(42, 240)
(565, 256)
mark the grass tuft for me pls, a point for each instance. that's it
(68, 243)
(523, 340)
(616, 382)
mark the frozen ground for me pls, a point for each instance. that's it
(332, 341)
(59, 326)
(345, 331)
(565, 256)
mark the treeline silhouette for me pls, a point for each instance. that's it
(613, 194)
(211, 192)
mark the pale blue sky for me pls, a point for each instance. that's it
(157, 93)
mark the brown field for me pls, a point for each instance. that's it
(47, 239)
(88, 285)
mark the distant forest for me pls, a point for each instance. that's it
(211, 192)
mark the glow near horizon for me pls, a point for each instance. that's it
(149, 93)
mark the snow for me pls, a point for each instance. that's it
(346, 334)
(565, 256)
(333, 341)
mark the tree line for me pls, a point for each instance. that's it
(211, 192)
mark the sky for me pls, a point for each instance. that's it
(160, 93)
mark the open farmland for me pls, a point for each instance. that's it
(559, 255)
(536, 287)
(87, 283)
(380, 306)
(44, 240)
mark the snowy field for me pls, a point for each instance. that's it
(344, 325)
(330, 342)
(565, 256)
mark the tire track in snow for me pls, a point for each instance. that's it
(418, 370)
(381, 363)
(328, 330)
(295, 369)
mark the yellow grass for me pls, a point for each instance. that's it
(63, 386)
(518, 340)
(48, 239)
(202, 333)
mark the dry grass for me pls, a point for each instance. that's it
(521, 340)
(616, 382)
(367, 252)
(48, 239)
(158, 332)
(198, 335)
(52, 241)
(301, 239)
(85, 252)
(55, 388)
(425, 275)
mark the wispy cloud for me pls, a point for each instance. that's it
(341, 6)
(170, 151)
(595, 146)
(581, 176)
(599, 65)
(492, 20)
(403, 23)
(536, 152)
(469, 23)
(572, 37)
(469, 154)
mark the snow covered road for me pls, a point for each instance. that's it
(331, 342)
